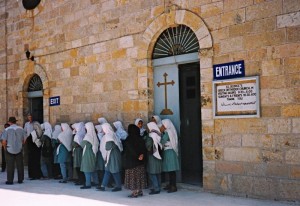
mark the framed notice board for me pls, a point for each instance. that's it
(236, 98)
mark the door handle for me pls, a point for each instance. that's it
(187, 122)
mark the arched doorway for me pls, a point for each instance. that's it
(35, 98)
(176, 83)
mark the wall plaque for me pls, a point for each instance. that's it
(236, 98)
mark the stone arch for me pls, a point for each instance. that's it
(28, 72)
(150, 36)
(176, 17)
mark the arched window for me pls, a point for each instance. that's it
(175, 41)
(35, 84)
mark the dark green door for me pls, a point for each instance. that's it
(36, 109)
(190, 126)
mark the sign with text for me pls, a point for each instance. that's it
(54, 101)
(229, 70)
(238, 98)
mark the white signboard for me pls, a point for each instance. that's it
(236, 98)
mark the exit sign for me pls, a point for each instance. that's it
(54, 101)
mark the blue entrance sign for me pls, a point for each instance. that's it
(54, 101)
(229, 70)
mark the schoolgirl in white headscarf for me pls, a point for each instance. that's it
(170, 129)
(154, 133)
(139, 123)
(102, 120)
(90, 146)
(46, 126)
(100, 132)
(99, 160)
(109, 136)
(154, 147)
(157, 120)
(91, 137)
(56, 132)
(121, 133)
(170, 161)
(111, 151)
(47, 150)
(63, 151)
(79, 130)
(66, 136)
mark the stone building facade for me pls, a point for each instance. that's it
(96, 55)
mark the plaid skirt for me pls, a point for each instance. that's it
(135, 178)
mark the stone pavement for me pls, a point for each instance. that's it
(52, 193)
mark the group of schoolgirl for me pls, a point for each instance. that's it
(97, 152)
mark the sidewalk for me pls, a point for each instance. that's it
(52, 193)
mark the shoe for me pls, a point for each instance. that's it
(172, 189)
(140, 193)
(62, 181)
(154, 192)
(93, 184)
(85, 187)
(20, 182)
(133, 195)
(116, 189)
(78, 183)
(33, 178)
(110, 186)
(9, 183)
(100, 188)
(58, 178)
(167, 187)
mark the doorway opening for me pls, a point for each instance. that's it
(35, 98)
(190, 127)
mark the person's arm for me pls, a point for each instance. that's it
(4, 139)
(4, 144)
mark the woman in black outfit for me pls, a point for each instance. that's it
(134, 161)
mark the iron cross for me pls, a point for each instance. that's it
(166, 111)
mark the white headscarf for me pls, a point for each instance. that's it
(155, 135)
(170, 129)
(102, 120)
(66, 136)
(36, 134)
(79, 132)
(56, 132)
(142, 130)
(48, 129)
(158, 120)
(91, 137)
(100, 133)
(109, 136)
(121, 133)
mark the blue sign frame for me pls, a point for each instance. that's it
(54, 101)
(229, 70)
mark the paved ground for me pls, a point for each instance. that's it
(52, 193)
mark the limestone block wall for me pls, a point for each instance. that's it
(3, 54)
(96, 55)
(256, 157)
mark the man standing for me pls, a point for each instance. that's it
(13, 140)
(3, 165)
(28, 127)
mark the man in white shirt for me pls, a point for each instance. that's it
(13, 139)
